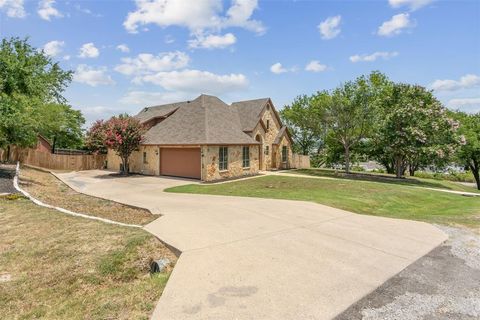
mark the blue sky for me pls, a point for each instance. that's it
(130, 54)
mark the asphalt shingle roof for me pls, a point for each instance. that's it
(205, 120)
(249, 112)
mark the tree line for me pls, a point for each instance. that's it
(32, 101)
(399, 125)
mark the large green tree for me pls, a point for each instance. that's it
(62, 125)
(469, 150)
(412, 130)
(305, 118)
(29, 79)
(351, 112)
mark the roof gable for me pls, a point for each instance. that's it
(250, 112)
(205, 120)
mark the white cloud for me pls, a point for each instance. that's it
(92, 76)
(277, 68)
(123, 47)
(98, 110)
(169, 39)
(412, 4)
(93, 113)
(88, 50)
(395, 25)
(238, 15)
(212, 41)
(66, 57)
(195, 81)
(373, 57)
(194, 15)
(87, 11)
(146, 63)
(461, 102)
(53, 48)
(13, 8)
(465, 82)
(330, 28)
(145, 98)
(46, 10)
(315, 66)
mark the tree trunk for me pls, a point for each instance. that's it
(411, 171)
(399, 170)
(347, 159)
(389, 166)
(8, 153)
(124, 166)
(54, 144)
(476, 174)
(412, 167)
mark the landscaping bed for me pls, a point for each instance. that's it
(47, 188)
(55, 266)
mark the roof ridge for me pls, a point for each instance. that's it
(250, 100)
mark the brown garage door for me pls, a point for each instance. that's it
(180, 162)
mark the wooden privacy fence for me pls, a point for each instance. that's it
(73, 162)
(300, 161)
(63, 161)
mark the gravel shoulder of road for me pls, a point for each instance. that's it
(444, 284)
(7, 172)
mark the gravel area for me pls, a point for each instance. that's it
(7, 172)
(445, 284)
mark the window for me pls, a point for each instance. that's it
(223, 158)
(266, 150)
(268, 124)
(246, 157)
(145, 157)
(284, 154)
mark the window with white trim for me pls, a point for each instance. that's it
(246, 157)
(223, 158)
(284, 154)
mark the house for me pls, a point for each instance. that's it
(208, 139)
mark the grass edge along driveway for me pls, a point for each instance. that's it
(364, 197)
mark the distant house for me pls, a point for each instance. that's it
(208, 139)
(43, 145)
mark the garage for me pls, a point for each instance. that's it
(180, 162)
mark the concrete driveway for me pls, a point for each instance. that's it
(248, 258)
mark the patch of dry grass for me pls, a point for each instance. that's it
(47, 188)
(54, 266)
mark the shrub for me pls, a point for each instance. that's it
(450, 176)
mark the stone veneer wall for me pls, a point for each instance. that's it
(210, 169)
(151, 167)
(270, 135)
(278, 154)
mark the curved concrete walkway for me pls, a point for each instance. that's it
(249, 258)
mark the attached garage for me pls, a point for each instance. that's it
(181, 162)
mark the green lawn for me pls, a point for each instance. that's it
(386, 178)
(366, 197)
